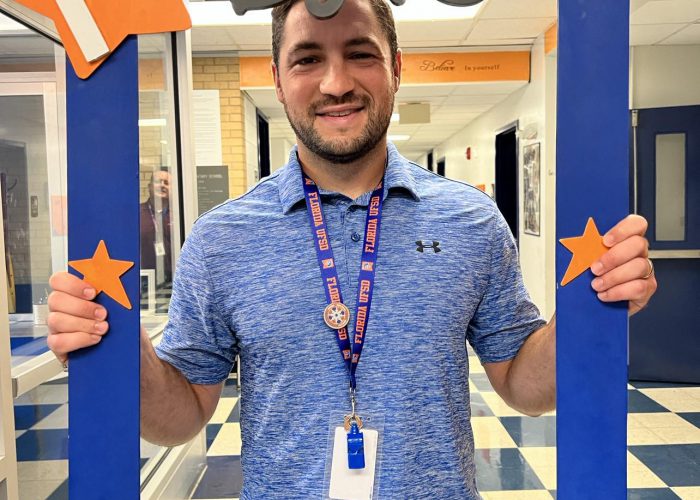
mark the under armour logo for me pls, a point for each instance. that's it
(422, 245)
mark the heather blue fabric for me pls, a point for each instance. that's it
(248, 282)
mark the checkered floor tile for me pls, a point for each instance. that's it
(515, 455)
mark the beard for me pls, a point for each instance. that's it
(343, 150)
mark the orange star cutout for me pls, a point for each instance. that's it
(115, 20)
(104, 273)
(586, 249)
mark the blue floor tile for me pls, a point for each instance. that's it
(48, 444)
(504, 469)
(212, 431)
(230, 390)
(651, 494)
(658, 385)
(26, 416)
(60, 493)
(640, 403)
(16, 342)
(676, 465)
(479, 406)
(221, 479)
(235, 415)
(531, 431)
(481, 381)
(693, 418)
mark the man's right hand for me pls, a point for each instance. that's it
(74, 320)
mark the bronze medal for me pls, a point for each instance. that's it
(336, 315)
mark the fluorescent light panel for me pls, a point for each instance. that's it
(398, 137)
(152, 122)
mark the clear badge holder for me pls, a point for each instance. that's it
(349, 448)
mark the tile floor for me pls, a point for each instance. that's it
(515, 454)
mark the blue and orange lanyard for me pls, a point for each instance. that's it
(350, 350)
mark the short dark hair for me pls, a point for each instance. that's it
(380, 7)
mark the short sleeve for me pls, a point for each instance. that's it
(505, 316)
(197, 339)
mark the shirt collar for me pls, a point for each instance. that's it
(398, 176)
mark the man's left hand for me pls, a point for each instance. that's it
(625, 272)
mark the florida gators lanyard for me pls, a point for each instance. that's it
(336, 314)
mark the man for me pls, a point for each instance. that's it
(250, 281)
(155, 227)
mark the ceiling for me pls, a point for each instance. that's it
(497, 25)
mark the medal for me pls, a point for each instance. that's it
(336, 315)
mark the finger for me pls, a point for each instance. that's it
(625, 251)
(60, 322)
(629, 226)
(72, 285)
(634, 291)
(633, 270)
(65, 303)
(63, 343)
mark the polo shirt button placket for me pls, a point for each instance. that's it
(355, 236)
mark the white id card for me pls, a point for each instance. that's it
(160, 249)
(353, 484)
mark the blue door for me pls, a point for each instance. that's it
(665, 337)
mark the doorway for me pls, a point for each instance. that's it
(506, 187)
(441, 166)
(663, 342)
(263, 146)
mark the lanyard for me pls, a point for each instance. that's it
(336, 313)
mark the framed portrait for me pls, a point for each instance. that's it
(531, 188)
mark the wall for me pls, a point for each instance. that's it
(223, 74)
(667, 75)
(279, 152)
(527, 106)
(251, 141)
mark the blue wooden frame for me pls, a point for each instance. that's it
(103, 204)
(592, 180)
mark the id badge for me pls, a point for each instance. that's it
(160, 249)
(344, 482)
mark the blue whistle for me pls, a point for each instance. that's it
(356, 447)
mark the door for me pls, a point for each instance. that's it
(664, 338)
(507, 178)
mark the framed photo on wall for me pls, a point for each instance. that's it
(531, 188)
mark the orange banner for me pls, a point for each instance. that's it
(551, 38)
(256, 72)
(443, 67)
(464, 67)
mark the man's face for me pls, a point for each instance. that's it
(337, 81)
(160, 185)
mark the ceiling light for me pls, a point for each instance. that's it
(414, 10)
(152, 122)
(398, 137)
(394, 117)
(222, 14)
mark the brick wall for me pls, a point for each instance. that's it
(223, 74)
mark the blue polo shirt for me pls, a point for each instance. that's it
(248, 282)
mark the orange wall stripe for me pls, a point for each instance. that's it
(256, 72)
(442, 67)
(465, 67)
(550, 38)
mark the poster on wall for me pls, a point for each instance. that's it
(531, 187)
